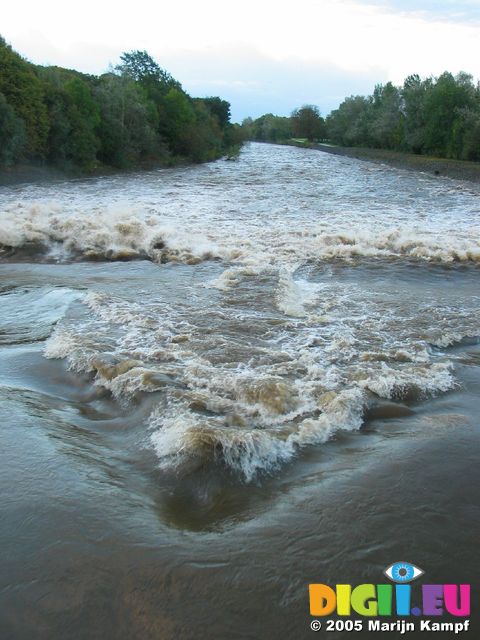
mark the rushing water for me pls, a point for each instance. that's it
(223, 382)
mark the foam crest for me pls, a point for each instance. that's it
(112, 233)
(178, 436)
(293, 296)
(52, 231)
(415, 383)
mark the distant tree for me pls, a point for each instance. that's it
(219, 108)
(269, 128)
(12, 134)
(84, 116)
(414, 92)
(128, 130)
(308, 123)
(466, 133)
(386, 117)
(141, 67)
(443, 103)
(24, 93)
(349, 125)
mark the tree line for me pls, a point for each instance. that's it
(431, 116)
(304, 123)
(135, 115)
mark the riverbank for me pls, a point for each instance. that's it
(457, 169)
(21, 174)
(24, 173)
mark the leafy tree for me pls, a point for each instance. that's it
(269, 128)
(207, 138)
(84, 116)
(434, 116)
(466, 134)
(308, 123)
(386, 118)
(128, 129)
(139, 113)
(23, 91)
(177, 119)
(12, 134)
(349, 125)
(141, 67)
(443, 101)
(414, 94)
(220, 109)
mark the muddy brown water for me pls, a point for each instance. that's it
(221, 383)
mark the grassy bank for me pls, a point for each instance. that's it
(458, 169)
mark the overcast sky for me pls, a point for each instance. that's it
(261, 55)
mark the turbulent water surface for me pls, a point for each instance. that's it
(223, 382)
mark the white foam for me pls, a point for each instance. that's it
(111, 233)
(294, 295)
(62, 231)
(279, 362)
(426, 380)
(179, 435)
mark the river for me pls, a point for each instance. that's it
(220, 383)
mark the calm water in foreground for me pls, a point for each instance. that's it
(221, 383)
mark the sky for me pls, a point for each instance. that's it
(261, 55)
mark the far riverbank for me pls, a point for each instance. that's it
(457, 169)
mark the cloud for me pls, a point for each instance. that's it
(464, 11)
(256, 84)
(262, 56)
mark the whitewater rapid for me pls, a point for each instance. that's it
(264, 305)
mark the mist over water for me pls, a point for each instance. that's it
(207, 366)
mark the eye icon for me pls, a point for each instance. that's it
(403, 572)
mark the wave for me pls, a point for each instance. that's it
(29, 314)
(249, 445)
(253, 404)
(50, 232)
(293, 296)
(246, 420)
(111, 234)
(178, 436)
(416, 245)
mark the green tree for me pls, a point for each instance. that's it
(141, 67)
(177, 118)
(136, 115)
(386, 117)
(445, 98)
(220, 109)
(24, 93)
(349, 125)
(128, 129)
(12, 135)
(84, 116)
(269, 128)
(308, 123)
(414, 94)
